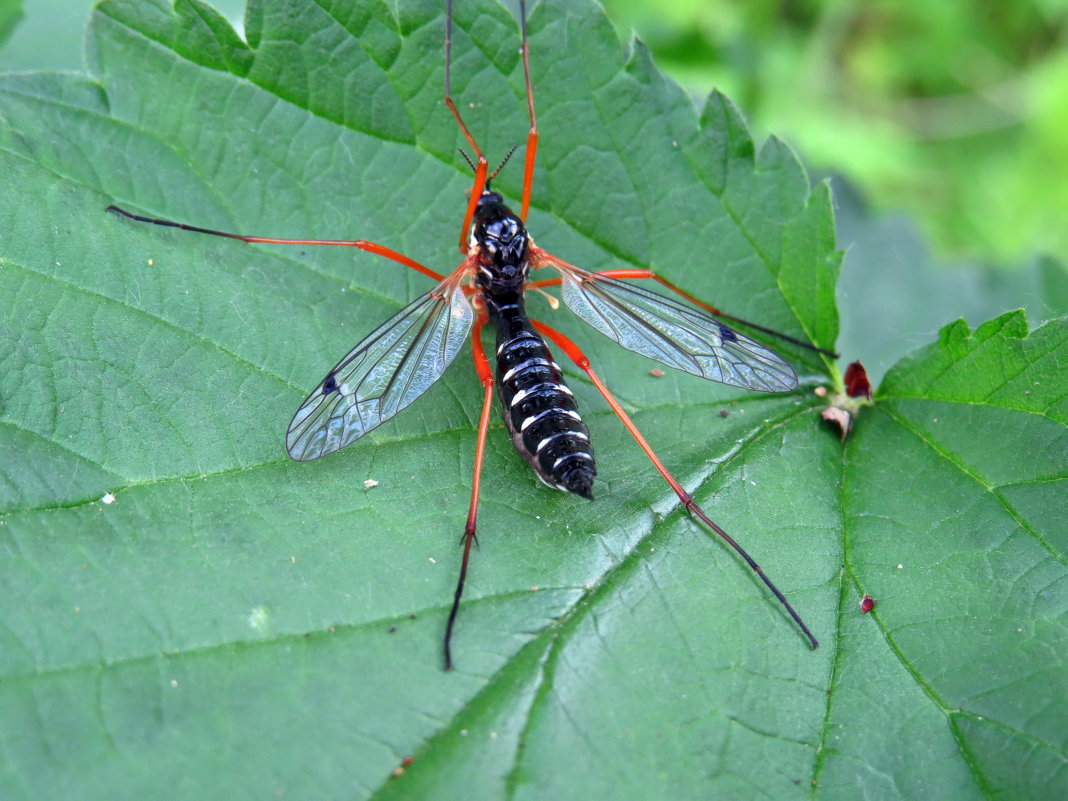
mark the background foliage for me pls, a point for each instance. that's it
(955, 112)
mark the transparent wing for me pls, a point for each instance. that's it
(393, 366)
(672, 333)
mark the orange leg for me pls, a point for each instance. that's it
(482, 166)
(649, 274)
(362, 244)
(485, 375)
(532, 135)
(576, 355)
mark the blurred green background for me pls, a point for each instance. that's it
(954, 110)
(943, 124)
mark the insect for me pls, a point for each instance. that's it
(400, 359)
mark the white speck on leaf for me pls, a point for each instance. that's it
(257, 618)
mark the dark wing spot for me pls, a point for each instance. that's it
(329, 384)
(727, 334)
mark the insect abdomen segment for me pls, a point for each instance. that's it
(539, 409)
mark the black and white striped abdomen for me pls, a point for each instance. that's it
(541, 414)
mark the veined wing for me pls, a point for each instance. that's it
(673, 334)
(393, 366)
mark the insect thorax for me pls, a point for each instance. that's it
(503, 245)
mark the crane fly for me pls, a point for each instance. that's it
(404, 356)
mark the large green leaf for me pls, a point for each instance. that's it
(10, 14)
(235, 625)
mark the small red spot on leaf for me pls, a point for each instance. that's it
(856, 381)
